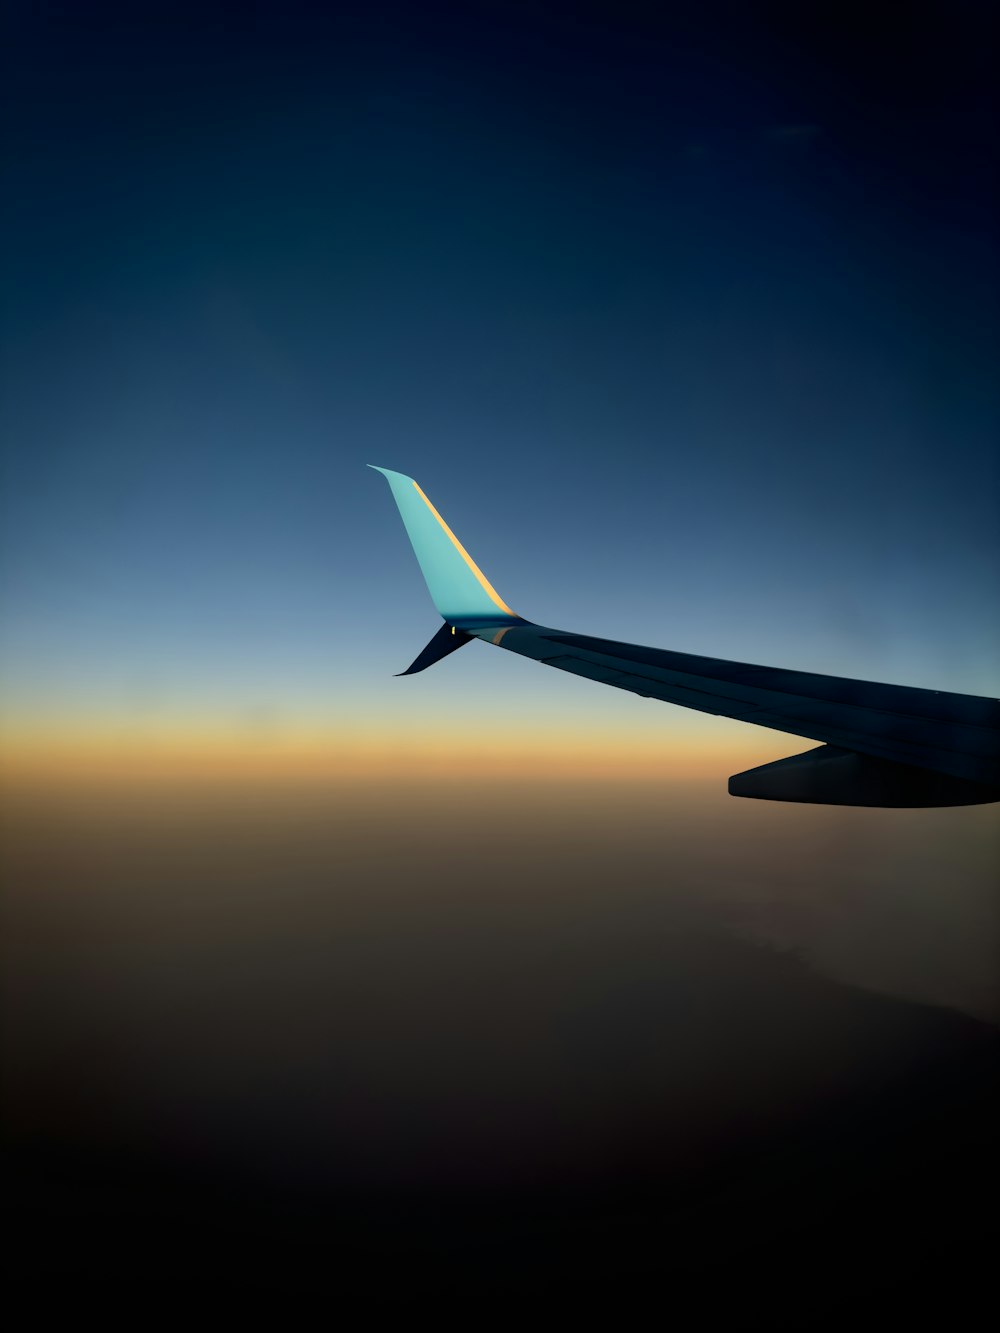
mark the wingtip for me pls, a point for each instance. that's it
(388, 472)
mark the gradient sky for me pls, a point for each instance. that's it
(685, 318)
(687, 325)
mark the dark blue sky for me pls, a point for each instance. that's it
(687, 323)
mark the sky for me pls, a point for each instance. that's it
(685, 318)
(685, 321)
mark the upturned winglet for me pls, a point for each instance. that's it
(458, 587)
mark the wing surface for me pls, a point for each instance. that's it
(956, 734)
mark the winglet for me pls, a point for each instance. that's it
(458, 587)
(447, 640)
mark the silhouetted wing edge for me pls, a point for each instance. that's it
(953, 734)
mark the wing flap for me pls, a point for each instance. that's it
(830, 775)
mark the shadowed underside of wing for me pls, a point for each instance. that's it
(887, 745)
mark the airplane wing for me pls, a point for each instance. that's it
(881, 745)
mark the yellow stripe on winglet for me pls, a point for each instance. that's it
(486, 585)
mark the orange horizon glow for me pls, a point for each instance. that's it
(204, 748)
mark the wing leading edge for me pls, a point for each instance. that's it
(882, 745)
